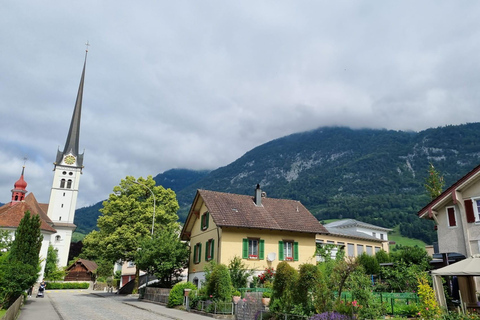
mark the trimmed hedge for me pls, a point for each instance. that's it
(176, 294)
(67, 285)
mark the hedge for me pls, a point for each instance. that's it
(68, 285)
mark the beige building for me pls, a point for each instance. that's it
(355, 237)
(262, 231)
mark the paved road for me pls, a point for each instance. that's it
(86, 304)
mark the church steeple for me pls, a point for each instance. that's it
(19, 189)
(70, 154)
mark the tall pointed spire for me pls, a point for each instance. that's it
(72, 142)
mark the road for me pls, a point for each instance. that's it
(85, 304)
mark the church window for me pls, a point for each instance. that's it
(70, 173)
(64, 194)
(62, 183)
(16, 198)
(69, 184)
(58, 238)
(59, 218)
(62, 205)
(64, 172)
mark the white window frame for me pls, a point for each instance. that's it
(288, 251)
(476, 209)
(454, 214)
(253, 248)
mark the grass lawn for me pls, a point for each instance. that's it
(2, 313)
(404, 241)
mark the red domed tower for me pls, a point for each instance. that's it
(19, 189)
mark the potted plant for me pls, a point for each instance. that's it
(266, 298)
(236, 296)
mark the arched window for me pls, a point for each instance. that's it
(69, 184)
(58, 238)
(62, 183)
(16, 197)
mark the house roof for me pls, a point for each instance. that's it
(234, 210)
(349, 223)
(450, 194)
(11, 215)
(89, 265)
(352, 234)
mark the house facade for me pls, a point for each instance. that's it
(261, 231)
(456, 213)
(355, 237)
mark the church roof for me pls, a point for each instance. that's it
(11, 215)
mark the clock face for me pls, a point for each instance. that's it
(69, 159)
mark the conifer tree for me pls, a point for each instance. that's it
(434, 183)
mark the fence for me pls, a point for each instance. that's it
(156, 294)
(13, 310)
(216, 307)
(394, 301)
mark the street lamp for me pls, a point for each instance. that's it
(153, 195)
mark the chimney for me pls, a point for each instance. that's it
(258, 196)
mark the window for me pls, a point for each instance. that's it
(477, 210)
(288, 250)
(351, 249)
(197, 253)
(377, 249)
(131, 264)
(62, 183)
(359, 249)
(69, 184)
(374, 234)
(209, 250)
(204, 222)
(253, 248)
(58, 238)
(452, 221)
(369, 250)
(381, 236)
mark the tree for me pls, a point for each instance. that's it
(127, 219)
(238, 272)
(19, 268)
(219, 284)
(52, 271)
(434, 183)
(283, 288)
(5, 241)
(163, 255)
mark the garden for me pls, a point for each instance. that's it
(395, 285)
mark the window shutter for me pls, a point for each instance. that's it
(213, 248)
(261, 253)
(295, 251)
(469, 211)
(206, 250)
(245, 249)
(280, 250)
(195, 254)
(207, 217)
(199, 252)
(451, 217)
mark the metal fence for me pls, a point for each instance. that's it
(216, 307)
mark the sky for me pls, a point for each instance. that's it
(197, 84)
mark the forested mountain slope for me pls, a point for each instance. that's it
(376, 176)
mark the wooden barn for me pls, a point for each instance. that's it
(81, 270)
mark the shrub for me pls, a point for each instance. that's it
(219, 285)
(428, 303)
(238, 272)
(308, 278)
(283, 288)
(67, 285)
(176, 295)
(266, 294)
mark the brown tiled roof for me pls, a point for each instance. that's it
(88, 264)
(10, 216)
(234, 210)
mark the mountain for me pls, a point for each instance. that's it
(376, 176)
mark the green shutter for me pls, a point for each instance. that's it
(213, 248)
(261, 252)
(245, 249)
(280, 250)
(195, 254)
(208, 219)
(206, 251)
(199, 252)
(295, 251)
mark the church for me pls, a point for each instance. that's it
(58, 214)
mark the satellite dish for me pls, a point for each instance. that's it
(271, 256)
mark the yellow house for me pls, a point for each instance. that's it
(262, 231)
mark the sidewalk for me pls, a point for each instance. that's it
(35, 308)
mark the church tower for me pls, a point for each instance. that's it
(67, 171)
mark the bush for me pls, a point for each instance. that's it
(177, 293)
(219, 285)
(331, 316)
(283, 288)
(67, 285)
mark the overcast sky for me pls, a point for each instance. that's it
(196, 84)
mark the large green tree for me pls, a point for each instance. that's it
(19, 268)
(127, 219)
(52, 271)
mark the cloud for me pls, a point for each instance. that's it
(196, 85)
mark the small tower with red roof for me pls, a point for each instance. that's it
(19, 189)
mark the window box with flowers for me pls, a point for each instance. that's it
(288, 250)
(253, 249)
